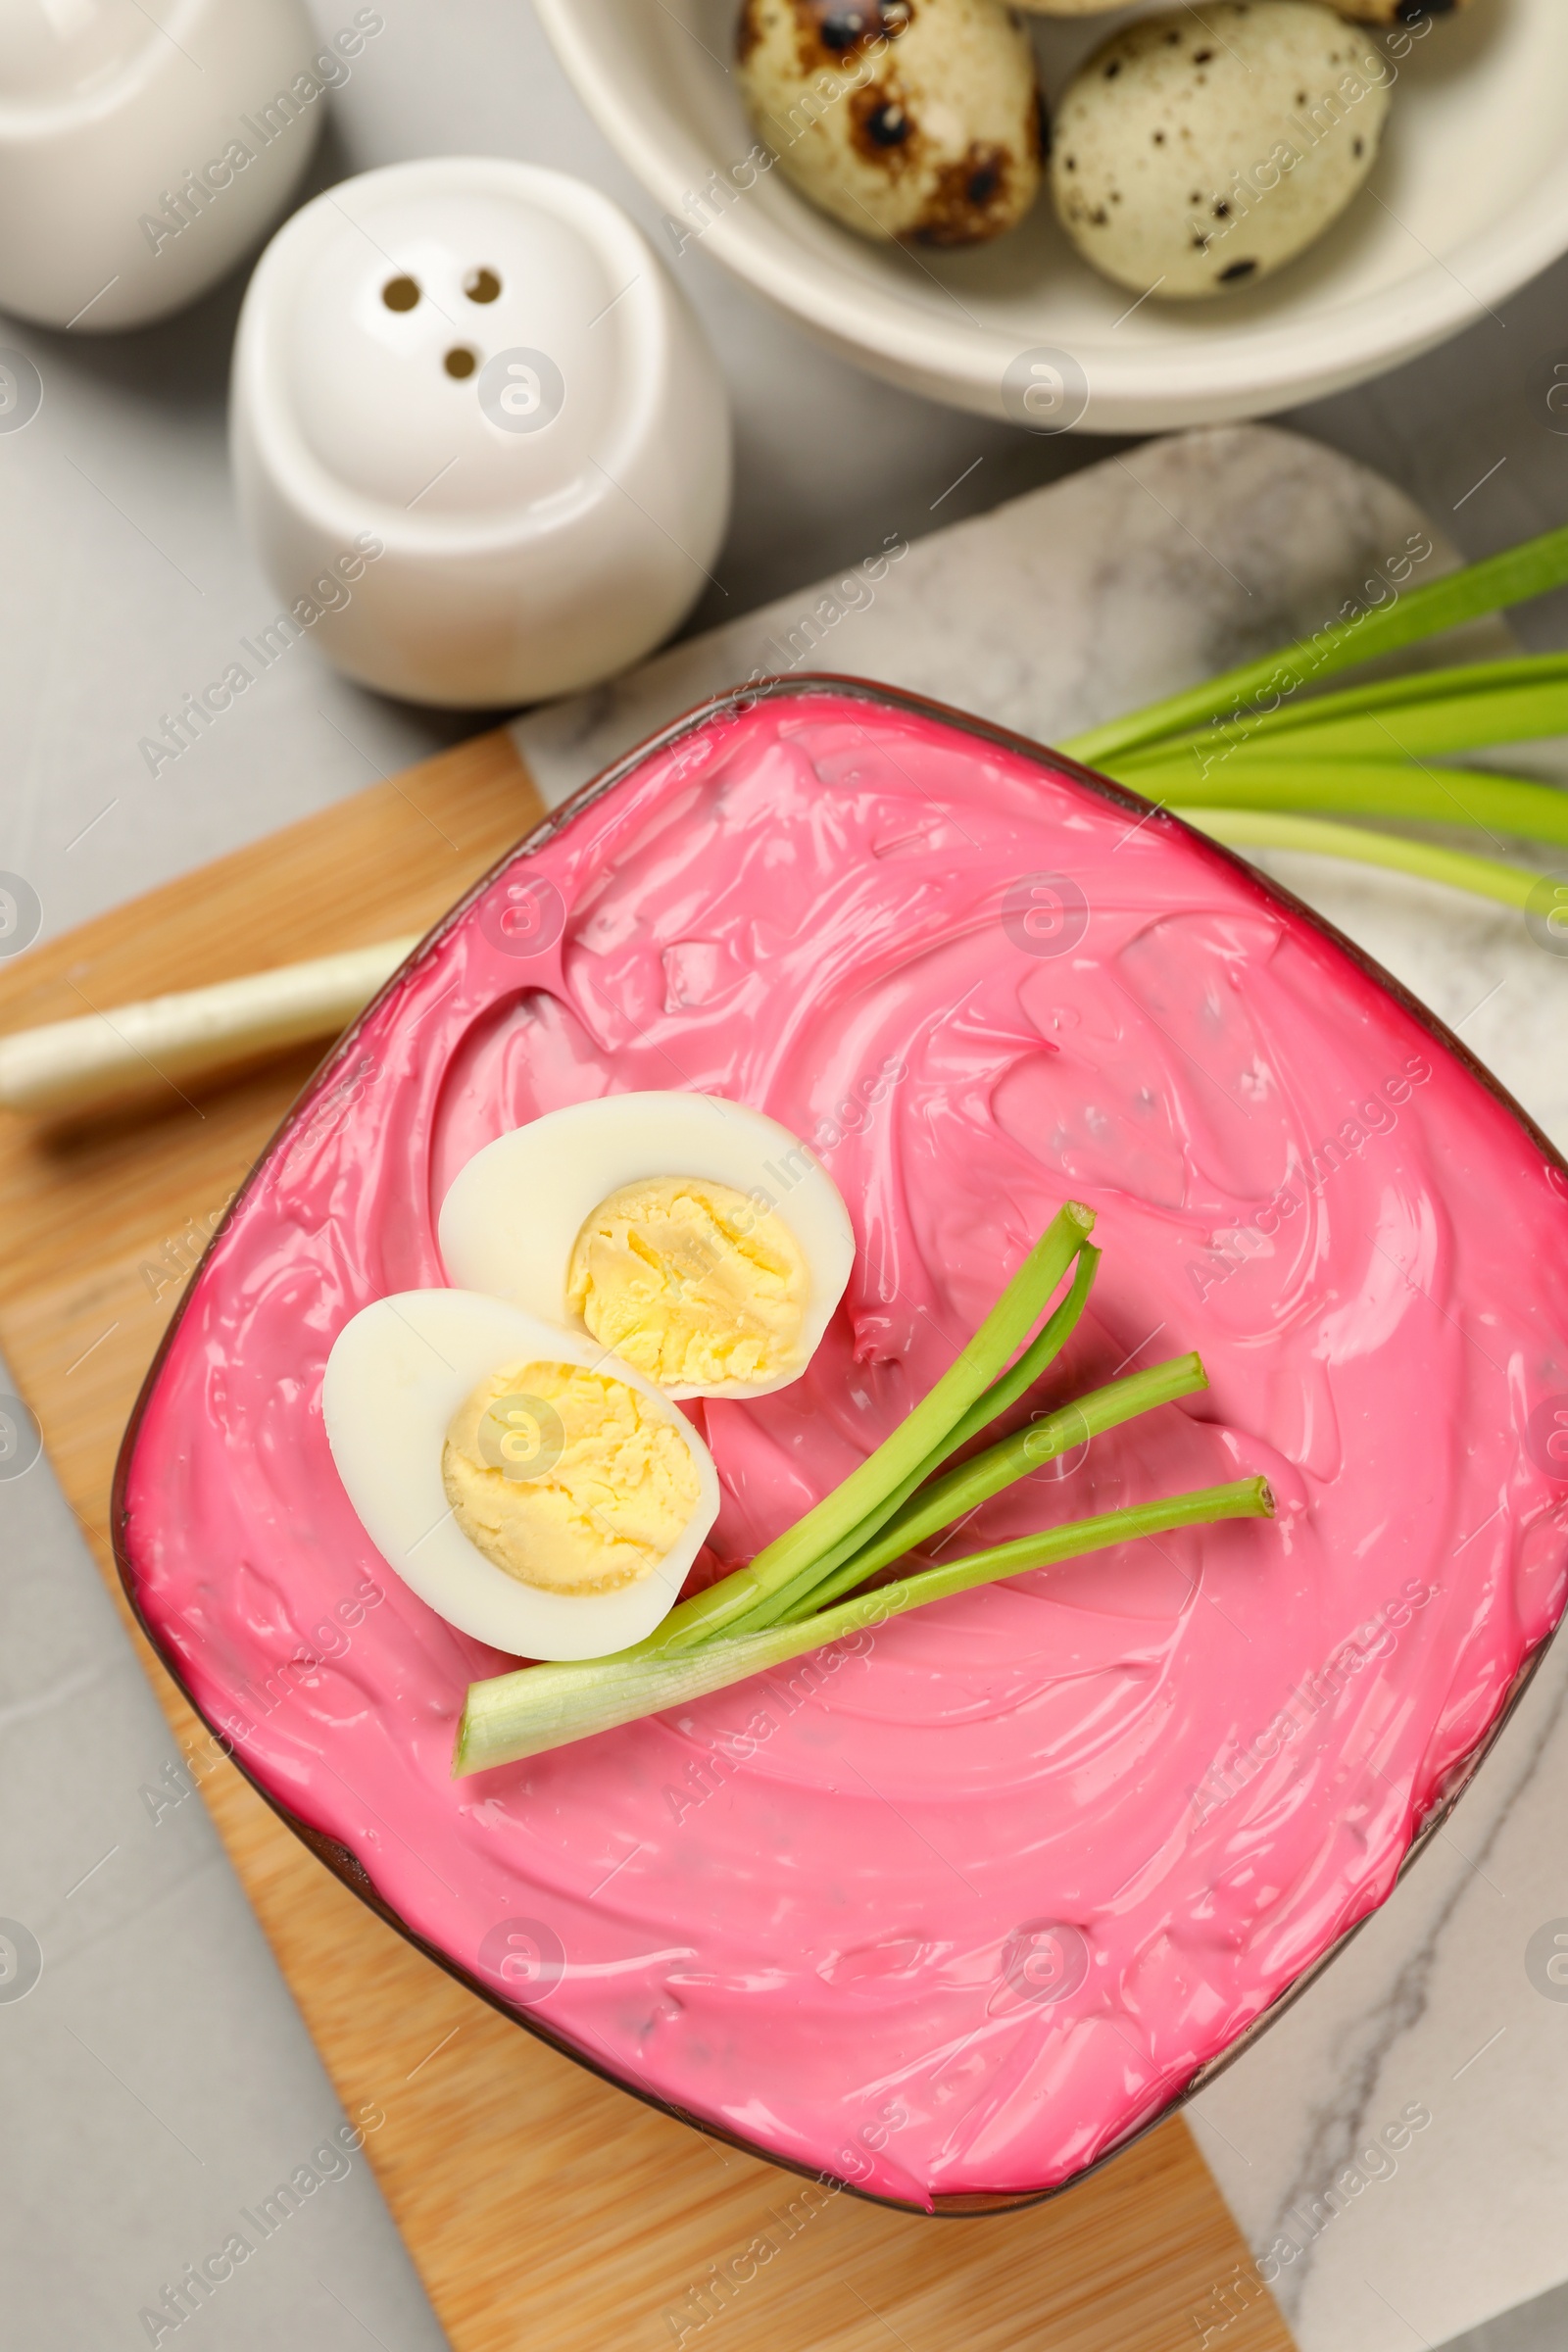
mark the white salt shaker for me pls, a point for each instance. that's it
(480, 443)
(139, 160)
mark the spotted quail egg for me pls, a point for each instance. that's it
(1201, 148)
(918, 119)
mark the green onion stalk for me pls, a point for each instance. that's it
(1261, 758)
(541, 1707)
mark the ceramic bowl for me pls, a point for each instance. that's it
(1469, 200)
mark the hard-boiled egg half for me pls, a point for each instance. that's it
(697, 1239)
(537, 1490)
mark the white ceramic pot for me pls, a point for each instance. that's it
(480, 443)
(140, 159)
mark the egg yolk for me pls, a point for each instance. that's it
(692, 1282)
(567, 1480)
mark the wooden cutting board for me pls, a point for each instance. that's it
(542, 2207)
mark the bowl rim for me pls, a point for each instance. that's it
(1208, 380)
(345, 1865)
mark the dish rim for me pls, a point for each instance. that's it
(737, 701)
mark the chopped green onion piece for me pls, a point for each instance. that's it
(1002, 1394)
(1373, 788)
(965, 1489)
(1512, 578)
(1268, 829)
(1386, 698)
(1037, 1358)
(543, 1707)
(919, 1434)
(1415, 727)
(1527, 673)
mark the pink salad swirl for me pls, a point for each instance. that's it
(952, 1916)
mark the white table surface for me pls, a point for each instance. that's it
(125, 584)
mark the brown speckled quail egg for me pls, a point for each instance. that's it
(1198, 149)
(1397, 12)
(918, 120)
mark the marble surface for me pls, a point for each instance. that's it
(126, 583)
(1069, 605)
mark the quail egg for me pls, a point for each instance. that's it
(1201, 148)
(918, 119)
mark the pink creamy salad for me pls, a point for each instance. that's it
(951, 1914)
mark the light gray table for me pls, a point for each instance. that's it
(125, 584)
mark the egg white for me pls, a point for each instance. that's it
(510, 1220)
(396, 1375)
